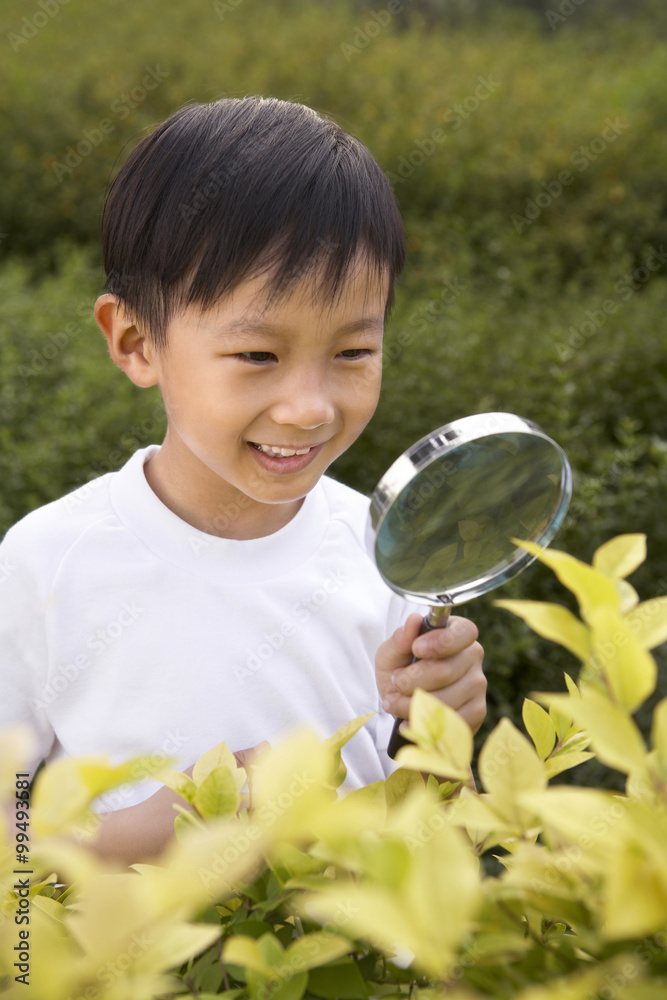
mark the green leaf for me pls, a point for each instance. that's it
(620, 556)
(552, 622)
(217, 795)
(540, 726)
(315, 949)
(271, 950)
(289, 989)
(342, 981)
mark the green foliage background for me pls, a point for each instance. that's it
(489, 313)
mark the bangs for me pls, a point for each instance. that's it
(225, 192)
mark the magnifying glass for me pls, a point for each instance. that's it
(443, 517)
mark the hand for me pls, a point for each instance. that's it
(449, 667)
(246, 757)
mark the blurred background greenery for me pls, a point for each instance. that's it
(537, 235)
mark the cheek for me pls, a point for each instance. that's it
(366, 392)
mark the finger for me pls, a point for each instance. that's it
(434, 674)
(247, 756)
(441, 642)
(396, 651)
(474, 712)
(471, 687)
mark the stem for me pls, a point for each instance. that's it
(570, 966)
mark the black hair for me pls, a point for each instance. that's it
(222, 192)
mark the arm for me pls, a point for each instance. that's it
(142, 832)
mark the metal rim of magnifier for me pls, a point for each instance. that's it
(434, 446)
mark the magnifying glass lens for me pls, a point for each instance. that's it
(451, 527)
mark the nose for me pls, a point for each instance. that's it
(305, 401)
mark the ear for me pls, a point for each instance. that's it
(129, 348)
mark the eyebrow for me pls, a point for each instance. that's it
(253, 326)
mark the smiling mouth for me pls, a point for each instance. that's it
(276, 451)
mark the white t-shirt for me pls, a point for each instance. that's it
(125, 631)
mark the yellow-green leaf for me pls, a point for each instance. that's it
(629, 669)
(218, 756)
(346, 732)
(540, 726)
(628, 596)
(50, 906)
(244, 951)
(441, 735)
(508, 763)
(620, 556)
(430, 762)
(591, 588)
(648, 622)
(399, 784)
(636, 893)
(615, 738)
(217, 795)
(552, 621)
(659, 731)
(179, 783)
(564, 761)
(571, 686)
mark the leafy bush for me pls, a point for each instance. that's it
(380, 893)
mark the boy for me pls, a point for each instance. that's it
(217, 587)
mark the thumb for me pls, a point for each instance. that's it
(396, 651)
(245, 757)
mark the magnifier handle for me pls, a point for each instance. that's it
(438, 617)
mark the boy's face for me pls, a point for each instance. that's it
(310, 382)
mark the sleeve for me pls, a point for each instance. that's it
(23, 646)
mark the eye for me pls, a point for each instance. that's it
(357, 352)
(256, 357)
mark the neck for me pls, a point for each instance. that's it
(198, 496)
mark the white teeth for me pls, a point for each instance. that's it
(270, 449)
